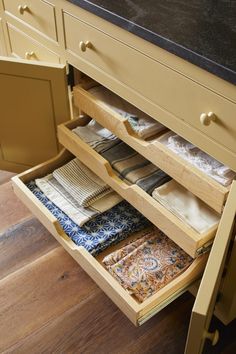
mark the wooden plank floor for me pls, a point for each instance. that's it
(49, 305)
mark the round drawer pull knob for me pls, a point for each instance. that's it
(22, 9)
(84, 45)
(213, 337)
(207, 118)
(29, 55)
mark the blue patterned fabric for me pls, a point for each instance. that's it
(101, 232)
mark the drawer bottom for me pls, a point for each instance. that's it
(137, 312)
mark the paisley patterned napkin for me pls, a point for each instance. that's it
(148, 265)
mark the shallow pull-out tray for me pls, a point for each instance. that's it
(186, 237)
(203, 186)
(137, 312)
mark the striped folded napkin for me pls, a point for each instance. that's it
(96, 136)
(140, 122)
(80, 182)
(134, 168)
(65, 201)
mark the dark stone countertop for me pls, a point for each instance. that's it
(200, 31)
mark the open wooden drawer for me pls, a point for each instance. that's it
(204, 187)
(187, 238)
(136, 312)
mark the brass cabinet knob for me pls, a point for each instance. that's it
(22, 9)
(29, 55)
(207, 118)
(213, 337)
(84, 45)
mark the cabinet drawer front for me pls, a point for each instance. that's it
(136, 312)
(26, 48)
(172, 92)
(38, 14)
(204, 187)
(186, 237)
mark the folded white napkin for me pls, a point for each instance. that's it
(204, 162)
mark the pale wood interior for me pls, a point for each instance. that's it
(179, 232)
(137, 312)
(189, 176)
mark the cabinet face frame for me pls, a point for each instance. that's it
(207, 294)
(39, 76)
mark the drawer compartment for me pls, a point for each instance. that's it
(40, 15)
(27, 48)
(180, 100)
(204, 187)
(136, 312)
(192, 242)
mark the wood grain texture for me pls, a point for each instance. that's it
(97, 326)
(22, 244)
(49, 305)
(38, 293)
(12, 210)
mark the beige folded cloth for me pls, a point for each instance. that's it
(80, 182)
(64, 201)
(186, 206)
(140, 122)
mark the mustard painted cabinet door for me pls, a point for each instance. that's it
(206, 297)
(33, 100)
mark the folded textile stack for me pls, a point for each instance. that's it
(96, 136)
(204, 162)
(148, 264)
(140, 122)
(79, 181)
(65, 201)
(134, 168)
(103, 230)
(186, 206)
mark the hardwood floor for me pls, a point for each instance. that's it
(49, 305)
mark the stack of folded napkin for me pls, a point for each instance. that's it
(78, 192)
(142, 124)
(103, 230)
(147, 264)
(186, 206)
(134, 168)
(198, 158)
(96, 136)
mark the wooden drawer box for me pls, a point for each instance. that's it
(136, 312)
(179, 100)
(188, 239)
(190, 177)
(40, 15)
(27, 48)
